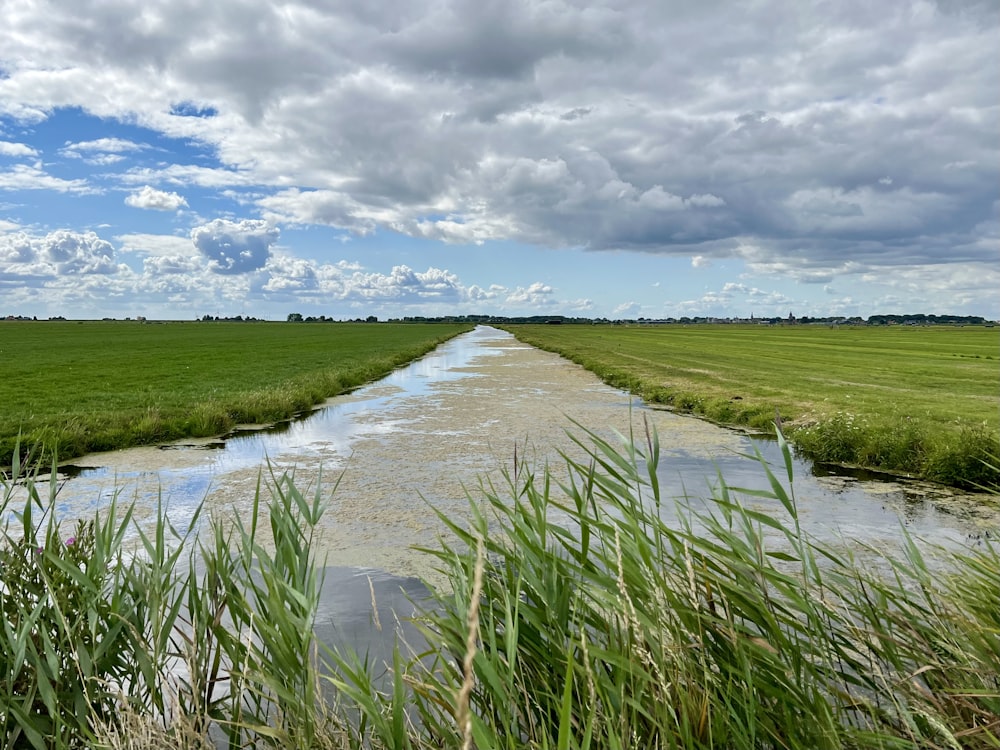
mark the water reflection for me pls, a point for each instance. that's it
(420, 436)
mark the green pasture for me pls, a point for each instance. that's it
(918, 400)
(85, 386)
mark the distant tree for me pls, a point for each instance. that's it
(371, 319)
(294, 317)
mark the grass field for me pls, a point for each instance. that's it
(918, 400)
(88, 386)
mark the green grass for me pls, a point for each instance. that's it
(921, 401)
(583, 610)
(89, 386)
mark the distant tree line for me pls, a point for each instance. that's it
(916, 319)
(233, 319)
(874, 320)
(297, 318)
(928, 320)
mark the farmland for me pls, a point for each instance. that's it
(86, 386)
(923, 401)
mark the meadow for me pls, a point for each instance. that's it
(79, 387)
(922, 401)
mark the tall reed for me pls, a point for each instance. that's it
(612, 617)
(585, 608)
(186, 637)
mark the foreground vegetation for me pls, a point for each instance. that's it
(923, 401)
(90, 386)
(583, 610)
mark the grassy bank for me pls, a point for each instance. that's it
(918, 400)
(575, 617)
(90, 386)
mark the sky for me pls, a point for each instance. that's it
(600, 158)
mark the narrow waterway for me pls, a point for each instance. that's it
(429, 432)
(424, 437)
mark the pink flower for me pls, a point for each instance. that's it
(70, 541)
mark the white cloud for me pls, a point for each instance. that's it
(174, 265)
(627, 310)
(104, 160)
(25, 177)
(156, 245)
(477, 294)
(16, 149)
(810, 142)
(187, 174)
(157, 200)
(330, 207)
(102, 145)
(405, 286)
(235, 247)
(536, 124)
(939, 288)
(535, 295)
(58, 253)
(290, 275)
(657, 199)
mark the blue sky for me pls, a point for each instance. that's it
(173, 158)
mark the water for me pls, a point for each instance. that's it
(426, 435)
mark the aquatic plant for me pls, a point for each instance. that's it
(172, 633)
(584, 609)
(611, 617)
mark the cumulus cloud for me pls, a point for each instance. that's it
(406, 286)
(55, 254)
(735, 299)
(157, 200)
(167, 265)
(810, 141)
(535, 295)
(334, 208)
(479, 294)
(235, 247)
(16, 149)
(287, 275)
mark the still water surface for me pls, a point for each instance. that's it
(430, 431)
(427, 434)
